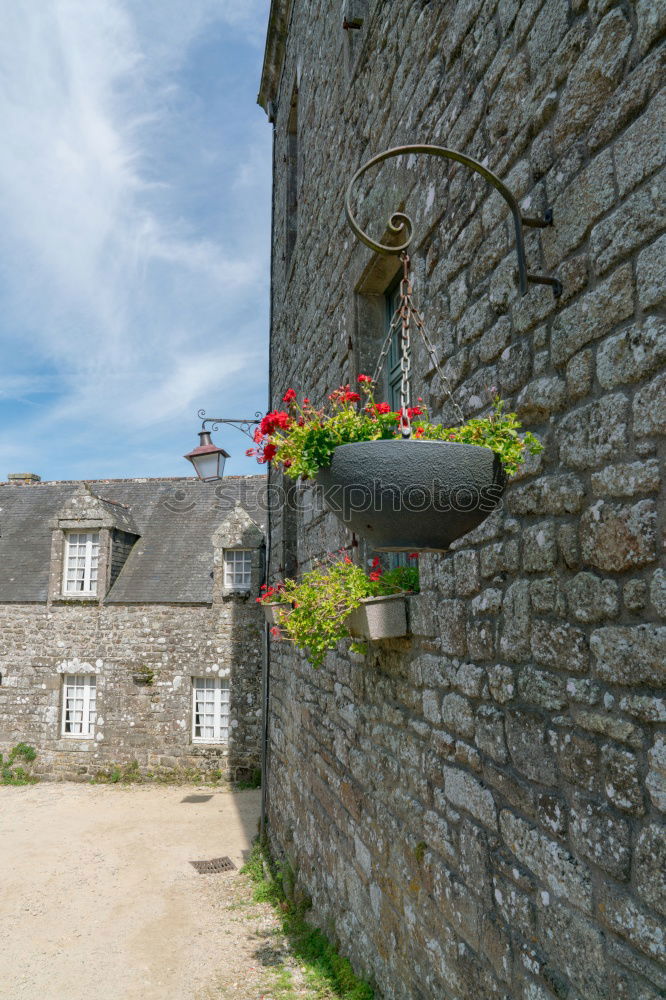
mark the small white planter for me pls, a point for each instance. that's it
(379, 618)
(271, 613)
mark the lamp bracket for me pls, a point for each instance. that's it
(400, 223)
(245, 426)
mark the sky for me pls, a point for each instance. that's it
(134, 233)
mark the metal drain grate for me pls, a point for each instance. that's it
(214, 866)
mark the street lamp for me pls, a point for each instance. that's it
(208, 460)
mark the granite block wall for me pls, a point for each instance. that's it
(477, 811)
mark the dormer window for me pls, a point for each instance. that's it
(81, 562)
(237, 569)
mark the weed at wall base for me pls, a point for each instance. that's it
(10, 775)
(326, 972)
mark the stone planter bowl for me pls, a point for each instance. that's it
(412, 496)
(379, 618)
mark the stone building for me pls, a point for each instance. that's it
(129, 631)
(477, 811)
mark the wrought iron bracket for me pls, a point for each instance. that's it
(400, 223)
(245, 426)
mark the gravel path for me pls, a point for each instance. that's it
(98, 900)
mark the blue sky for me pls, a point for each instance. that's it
(134, 232)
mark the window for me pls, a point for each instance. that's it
(81, 560)
(291, 213)
(79, 705)
(393, 380)
(394, 371)
(210, 710)
(237, 569)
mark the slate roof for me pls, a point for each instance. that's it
(172, 561)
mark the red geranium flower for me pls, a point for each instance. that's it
(352, 397)
(274, 420)
(289, 395)
(414, 411)
(364, 378)
(375, 576)
(269, 452)
(382, 408)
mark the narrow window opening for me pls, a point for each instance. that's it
(210, 710)
(393, 379)
(292, 178)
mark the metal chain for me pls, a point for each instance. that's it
(405, 312)
(405, 345)
(420, 326)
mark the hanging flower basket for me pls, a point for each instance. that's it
(339, 600)
(382, 617)
(391, 475)
(412, 495)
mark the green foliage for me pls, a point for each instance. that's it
(313, 611)
(419, 851)
(144, 674)
(301, 440)
(400, 578)
(254, 781)
(499, 432)
(326, 973)
(131, 774)
(18, 775)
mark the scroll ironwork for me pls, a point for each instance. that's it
(400, 223)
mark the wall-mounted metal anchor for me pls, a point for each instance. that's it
(400, 223)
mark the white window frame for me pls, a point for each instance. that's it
(238, 569)
(86, 558)
(79, 695)
(210, 709)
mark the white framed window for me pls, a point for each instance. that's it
(210, 710)
(81, 562)
(237, 569)
(79, 705)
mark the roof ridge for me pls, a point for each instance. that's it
(136, 479)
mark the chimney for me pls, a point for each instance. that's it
(23, 478)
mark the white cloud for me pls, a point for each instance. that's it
(137, 303)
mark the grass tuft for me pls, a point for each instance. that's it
(18, 775)
(326, 972)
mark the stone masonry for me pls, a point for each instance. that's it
(166, 619)
(477, 811)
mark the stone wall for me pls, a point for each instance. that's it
(144, 658)
(477, 811)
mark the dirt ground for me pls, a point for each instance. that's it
(99, 901)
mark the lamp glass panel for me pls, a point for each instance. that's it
(209, 466)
